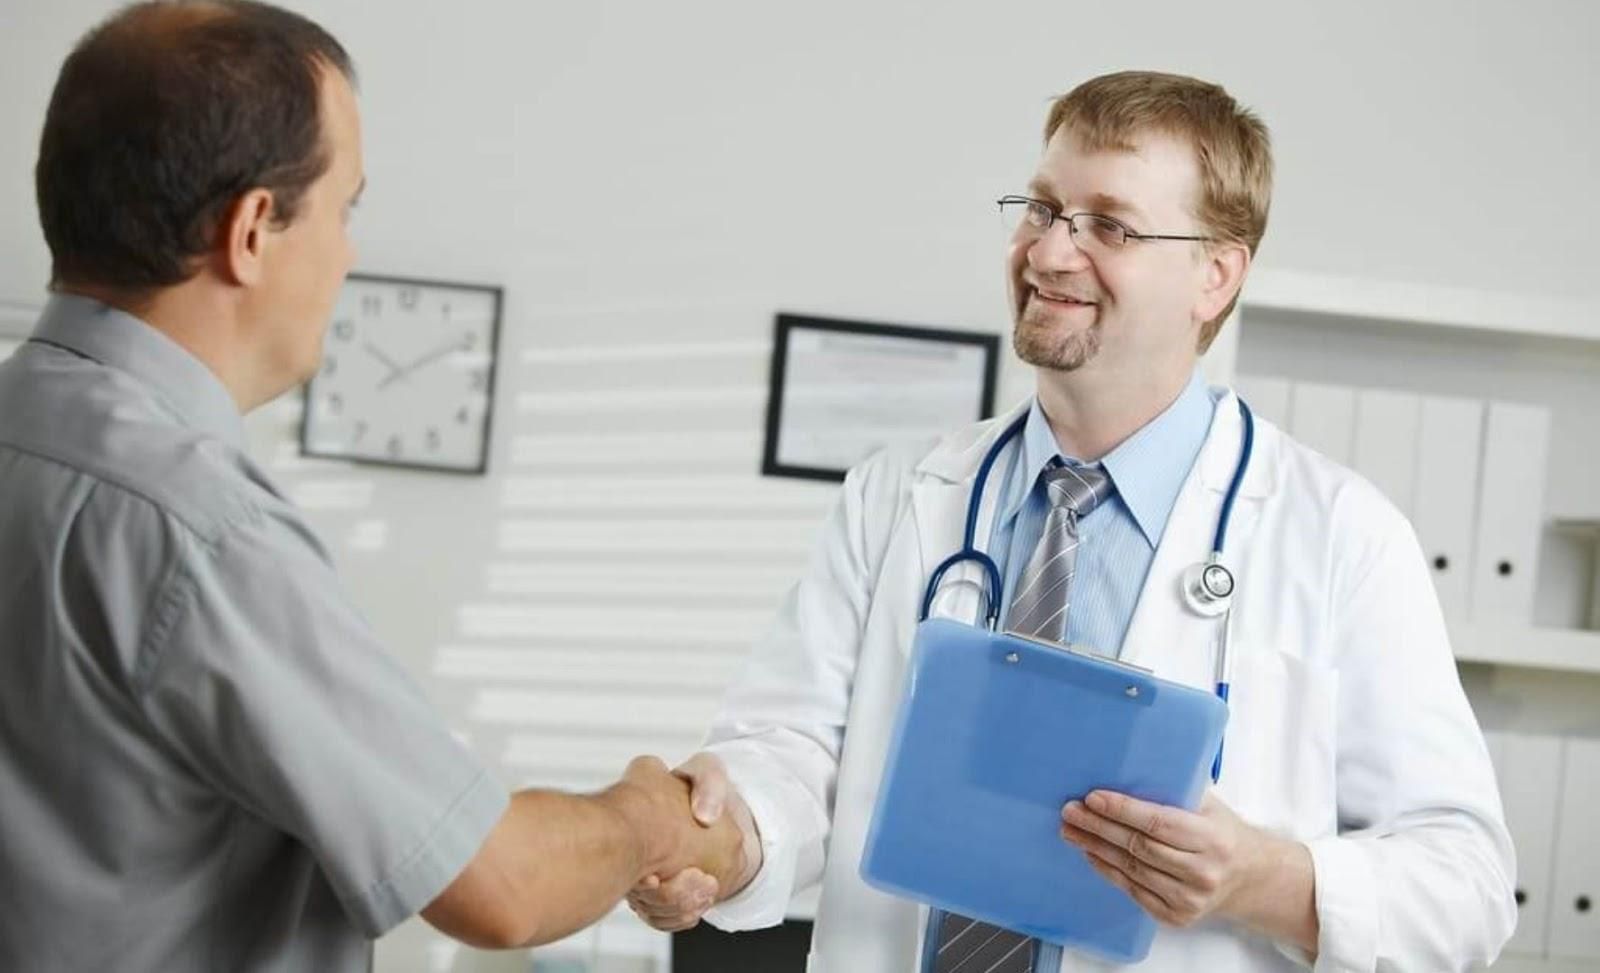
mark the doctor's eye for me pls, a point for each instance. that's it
(1106, 231)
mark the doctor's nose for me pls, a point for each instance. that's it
(1056, 250)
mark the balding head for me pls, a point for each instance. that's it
(163, 115)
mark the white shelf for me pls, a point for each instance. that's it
(1567, 650)
(1422, 304)
(1536, 964)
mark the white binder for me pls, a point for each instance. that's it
(1323, 417)
(1387, 425)
(1528, 769)
(1510, 512)
(1267, 397)
(1444, 505)
(1575, 906)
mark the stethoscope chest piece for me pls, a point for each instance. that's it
(1208, 587)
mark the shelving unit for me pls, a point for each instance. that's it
(1472, 344)
(1424, 305)
(1540, 676)
(1559, 649)
(1535, 964)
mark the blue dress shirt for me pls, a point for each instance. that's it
(1117, 540)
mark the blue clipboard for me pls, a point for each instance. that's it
(994, 734)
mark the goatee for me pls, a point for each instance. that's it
(1042, 346)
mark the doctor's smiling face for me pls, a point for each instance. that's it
(1091, 293)
(1167, 181)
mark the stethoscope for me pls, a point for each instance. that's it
(1207, 586)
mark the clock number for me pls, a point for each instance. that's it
(394, 445)
(361, 431)
(433, 440)
(463, 416)
(329, 366)
(344, 330)
(408, 297)
(371, 305)
(335, 403)
(469, 340)
(480, 380)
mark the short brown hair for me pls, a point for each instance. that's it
(161, 118)
(1231, 145)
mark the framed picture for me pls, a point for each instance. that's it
(407, 376)
(842, 389)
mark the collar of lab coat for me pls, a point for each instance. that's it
(956, 459)
(942, 490)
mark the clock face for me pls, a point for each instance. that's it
(407, 375)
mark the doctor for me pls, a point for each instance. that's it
(1356, 824)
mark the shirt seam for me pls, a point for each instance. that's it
(386, 883)
(103, 478)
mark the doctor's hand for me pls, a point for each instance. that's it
(1183, 866)
(673, 902)
(656, 804)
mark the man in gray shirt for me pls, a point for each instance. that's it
(207, 762)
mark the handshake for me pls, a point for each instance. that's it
(703, 842)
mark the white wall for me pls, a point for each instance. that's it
(646, 177)
(1442, 142)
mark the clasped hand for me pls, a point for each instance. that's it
(675, 899)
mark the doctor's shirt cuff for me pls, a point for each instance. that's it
(765, 901)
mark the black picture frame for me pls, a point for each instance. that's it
(487, 440)
(785, 324)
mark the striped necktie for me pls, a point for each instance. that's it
(1038, 609)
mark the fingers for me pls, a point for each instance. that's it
(677, 903)
(1166, 884)
(1164, 825)
(708, 783)
(1148, 900)
(1081, 823)
(645, 766)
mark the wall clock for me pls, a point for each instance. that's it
(407, 375)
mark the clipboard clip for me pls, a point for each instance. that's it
(1077, 650)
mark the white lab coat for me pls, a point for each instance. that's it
(1348, 730)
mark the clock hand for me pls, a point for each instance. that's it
(394, 369)
(431, 356)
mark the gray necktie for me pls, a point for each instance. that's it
(1039, 609)
(1039, 606)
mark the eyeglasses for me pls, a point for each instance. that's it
(1090, 231)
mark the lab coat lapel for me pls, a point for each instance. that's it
(1164, 634)
(939, 498)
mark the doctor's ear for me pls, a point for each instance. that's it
(1223, 266)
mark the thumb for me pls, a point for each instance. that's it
(708, 786)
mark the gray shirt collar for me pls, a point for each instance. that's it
(191, 391)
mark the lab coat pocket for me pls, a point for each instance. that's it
(1279, 759)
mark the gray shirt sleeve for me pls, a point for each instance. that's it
(261, 675)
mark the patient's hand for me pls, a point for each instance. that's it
(674, 900)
